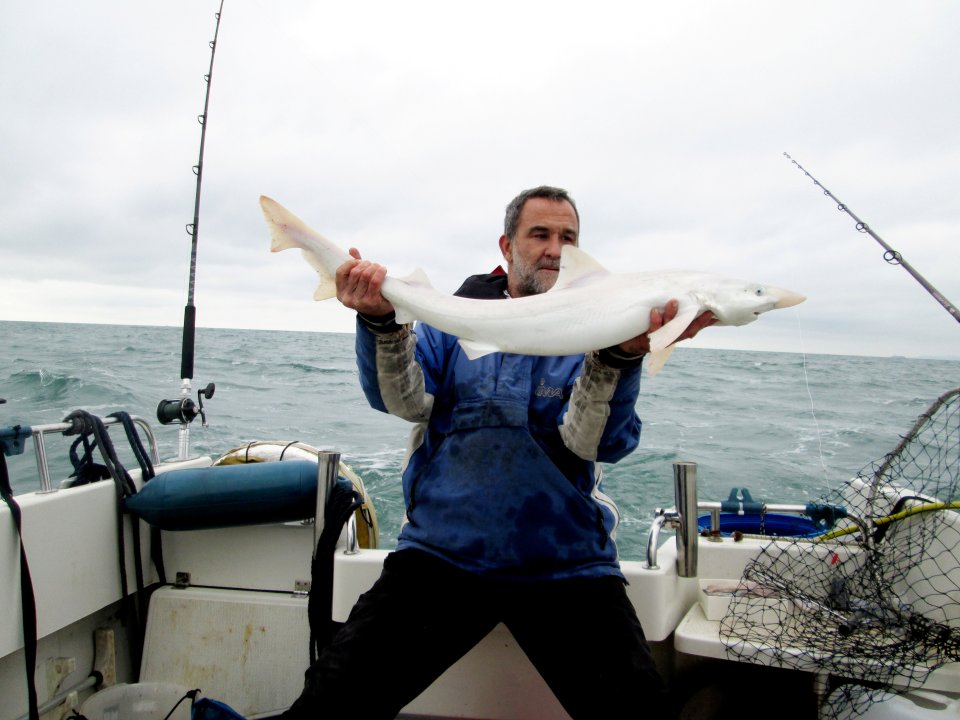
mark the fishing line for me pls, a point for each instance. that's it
(813, 412)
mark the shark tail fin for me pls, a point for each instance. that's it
(288, 231)
(279, 223)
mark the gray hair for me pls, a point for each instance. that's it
(512, 218)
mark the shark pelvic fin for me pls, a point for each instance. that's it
(575, 265)
(660, 339)
(474, 349)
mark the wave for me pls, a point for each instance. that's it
(46, 388)
(746, 418)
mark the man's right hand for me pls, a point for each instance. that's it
(640, 345)
(358, 286)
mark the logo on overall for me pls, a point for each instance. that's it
(549, 392)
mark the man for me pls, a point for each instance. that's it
(506, 520)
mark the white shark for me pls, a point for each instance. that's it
(588, 307)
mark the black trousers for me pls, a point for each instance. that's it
(424, 614)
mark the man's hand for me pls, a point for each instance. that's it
(358, 286)
(640, 345)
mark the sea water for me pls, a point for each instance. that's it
(786, 426)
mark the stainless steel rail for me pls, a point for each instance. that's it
(328, 470)
(328, 467)
(662, 517)
(685, 495)
(715, 508)
(683, 519)
(38, 431)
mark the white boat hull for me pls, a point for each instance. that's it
(238, 627)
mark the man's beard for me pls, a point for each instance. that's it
(529, 281)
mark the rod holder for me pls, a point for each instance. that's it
(685, 495)
(328, 469)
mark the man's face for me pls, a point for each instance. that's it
(533, 256)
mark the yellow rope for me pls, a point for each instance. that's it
(926, 507)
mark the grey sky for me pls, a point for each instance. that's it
(404, 129)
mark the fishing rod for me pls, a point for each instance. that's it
(890, 255)
(184, 410)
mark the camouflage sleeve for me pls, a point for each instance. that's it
(600, 422)
(399, 376)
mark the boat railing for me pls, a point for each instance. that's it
(37, 432)
(684, 518)
(715, 508)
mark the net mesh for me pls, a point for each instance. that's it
(875, 602)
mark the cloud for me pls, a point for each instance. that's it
(404, 130)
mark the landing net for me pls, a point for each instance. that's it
(875, 602)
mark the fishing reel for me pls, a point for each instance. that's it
(185, 410)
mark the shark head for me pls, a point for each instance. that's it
(739, 303)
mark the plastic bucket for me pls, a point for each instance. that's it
(772, 524)
(138, 701)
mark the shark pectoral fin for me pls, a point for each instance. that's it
(658, 360)
(474, 349)
(659, 339)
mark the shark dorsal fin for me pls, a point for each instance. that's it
(575, 265)
(418, 278)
